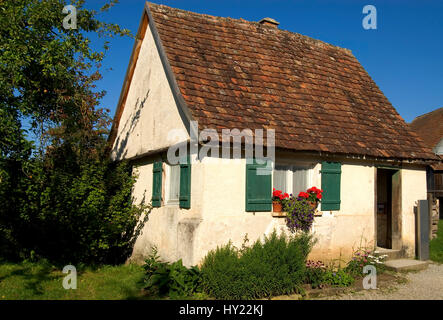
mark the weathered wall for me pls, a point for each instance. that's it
(150, 113)
(340, 232)
(413, 189)
(169, 228)
(218, 215)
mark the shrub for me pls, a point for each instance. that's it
(300, 215)
(363, 257)
(70, 212)
(172, 279)
(273, 267)
(315, 273)
(339, 278)
(318, 275)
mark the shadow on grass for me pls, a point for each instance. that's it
(33, 276)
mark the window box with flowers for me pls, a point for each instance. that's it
(313, 196)
(278, 200)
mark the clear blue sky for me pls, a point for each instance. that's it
(404, 55)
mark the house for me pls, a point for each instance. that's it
(429, 127)
(326, 124)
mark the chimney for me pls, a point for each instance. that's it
(269, 22)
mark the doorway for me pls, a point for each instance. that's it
(388, 209)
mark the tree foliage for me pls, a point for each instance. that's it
(61, 197)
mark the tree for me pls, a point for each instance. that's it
(61, 197)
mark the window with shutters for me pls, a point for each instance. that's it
(292, 178)
(172, 187)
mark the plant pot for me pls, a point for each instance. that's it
(276, 206)
(313, 205)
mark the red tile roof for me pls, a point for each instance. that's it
(234, 73)
(429, 127)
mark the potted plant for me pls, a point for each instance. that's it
(313, 196)
(278, 197)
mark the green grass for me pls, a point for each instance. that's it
(436, 245)
(42, 281)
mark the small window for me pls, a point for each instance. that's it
(292, 178)
(173, 185)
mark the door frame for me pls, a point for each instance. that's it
(396, 207)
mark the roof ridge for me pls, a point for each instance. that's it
(244, 21)
(426, 114)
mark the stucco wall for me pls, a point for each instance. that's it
(150, 113)
(218, 214)
(169, 228)
(340, 232)
(413, 183)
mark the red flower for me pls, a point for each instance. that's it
(314, 190)
(303, 195)
(319, 196)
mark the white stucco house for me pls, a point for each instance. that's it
(334, 129)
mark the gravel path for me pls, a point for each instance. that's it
(422, 285)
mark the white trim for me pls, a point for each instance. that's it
(309, 166)
(168, 176)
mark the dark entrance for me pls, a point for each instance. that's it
(388, 211)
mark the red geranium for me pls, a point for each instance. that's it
(278, 195)
(303, 195)
(314, 194)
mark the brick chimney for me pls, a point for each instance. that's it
(269, 22)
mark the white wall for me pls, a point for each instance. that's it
(150, 113)
(413, 184)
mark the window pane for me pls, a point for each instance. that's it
(174, 183)
(280, 178)
(300, 180)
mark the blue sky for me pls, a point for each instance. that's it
(404, 55)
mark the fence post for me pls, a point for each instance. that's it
(422, 223)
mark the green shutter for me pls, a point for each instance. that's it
(157, 184)
(258, 188)
(185, 184)
(330, 184)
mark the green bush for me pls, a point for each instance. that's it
(339, 278)
(172, 279)
(315, 273)
(362, 257)
(69, 212)
(275, 266)
(318, 275)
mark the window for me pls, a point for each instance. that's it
(292, 178)
(177, 187)
(173, 184)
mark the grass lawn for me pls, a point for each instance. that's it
(43, 281)
(436, 245)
